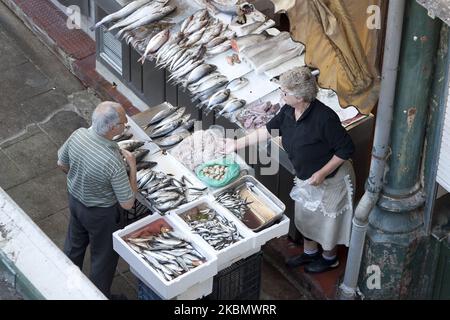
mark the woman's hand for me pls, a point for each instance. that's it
(317, 178)
(228, 146)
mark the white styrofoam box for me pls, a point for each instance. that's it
(166, 289)
(234, 252)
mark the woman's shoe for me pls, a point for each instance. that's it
(322, 265)
(302, 259)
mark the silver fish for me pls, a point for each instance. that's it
(170, 141)
(199, 72)
(170, 205)
(164, 11)
(138, 14)
(124, 12)
(175, 116)
(232, 106)
(218, 97)
(237, 84)
(159, 116)
(155, 43)
(224, 46)
(211, 84)
(216, 41)
(169, 127)
(186, 23)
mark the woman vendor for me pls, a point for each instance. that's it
(319, 149)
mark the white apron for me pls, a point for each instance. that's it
(324, 213)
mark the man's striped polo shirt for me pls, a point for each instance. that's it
(97, 176)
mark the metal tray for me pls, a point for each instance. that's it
(254, 220)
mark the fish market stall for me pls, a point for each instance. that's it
(220, 71)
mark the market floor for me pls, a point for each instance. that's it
(41, 104)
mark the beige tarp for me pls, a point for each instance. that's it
(338, 42)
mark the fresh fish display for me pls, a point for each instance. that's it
(237, 84)
(167, 252)
(155, 43)
(216, 230)
(211, 84)
(231, 106)
(216, 41)
(122, 13)
(126, 135)
(130, 145)
(257, 115)
(227, 6)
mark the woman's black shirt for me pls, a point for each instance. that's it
(313, 140)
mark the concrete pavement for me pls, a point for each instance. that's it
(41, 104)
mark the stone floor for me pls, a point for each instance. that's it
(41, 104)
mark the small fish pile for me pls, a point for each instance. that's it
(201, 146)
(216, 172)
(218, 231)
(168, 253)
(234, 203)
(257, 115)
(140, 38)
(163, 191)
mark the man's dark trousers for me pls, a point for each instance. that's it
(94, 226)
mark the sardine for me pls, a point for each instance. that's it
(175, 116)
(224, 46)
(199, 72)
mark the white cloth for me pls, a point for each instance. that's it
(324, 213)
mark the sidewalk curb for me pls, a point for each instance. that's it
(83, 67)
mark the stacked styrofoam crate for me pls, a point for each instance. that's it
(199, 278)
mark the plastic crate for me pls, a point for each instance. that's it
(240, 281)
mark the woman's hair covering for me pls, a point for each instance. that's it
(300, 82)
(105, 117)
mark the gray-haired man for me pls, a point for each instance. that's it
(97, 183)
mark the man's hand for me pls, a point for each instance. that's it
(129, 158)
(317, 178)
(229, 146)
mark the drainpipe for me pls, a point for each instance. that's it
(380, 151)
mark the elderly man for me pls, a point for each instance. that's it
(98, 184)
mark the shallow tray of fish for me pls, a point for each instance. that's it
(251, 202)
(230, 240)
(166, 255)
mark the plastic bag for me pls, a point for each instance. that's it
(309, 196)
(231, 174)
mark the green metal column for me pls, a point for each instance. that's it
(395, 244)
